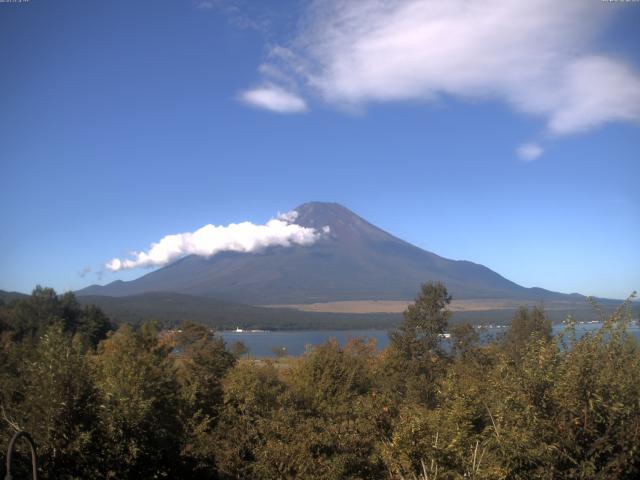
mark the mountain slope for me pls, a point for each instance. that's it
(7, 297)
(355, 261)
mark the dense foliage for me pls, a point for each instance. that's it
(141, 403)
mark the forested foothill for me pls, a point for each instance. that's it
(141, 403)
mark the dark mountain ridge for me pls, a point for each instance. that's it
(354, 261)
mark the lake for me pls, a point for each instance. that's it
(262, 343)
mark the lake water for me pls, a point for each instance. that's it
(262, 343)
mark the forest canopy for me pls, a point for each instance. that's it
(140, 402)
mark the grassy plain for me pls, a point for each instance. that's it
(398, 306)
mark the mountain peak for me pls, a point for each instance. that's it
(312, 213)
(343, 223)
(355, 261)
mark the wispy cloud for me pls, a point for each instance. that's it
(274, 98)
(211, 239)
(243, 14)
(529, 151)
(204, 5)
(84, 272)
(539, 56)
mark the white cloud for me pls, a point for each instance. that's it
(536, 55)
(288, 217)
(597, 90)
(274, 98)
(212, 239)
(529, 151)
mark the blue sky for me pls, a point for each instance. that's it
(122, 122)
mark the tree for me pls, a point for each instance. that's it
(139, 414)
(28, 318)
(238, 349)
(202, 363)
(54, 399)
(252, 395)
(323, 428)
(464, 340)
(93, 326)
(424, 322)
(526, 326)
(414, 358)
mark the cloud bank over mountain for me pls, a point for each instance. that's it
(539, 56)
(211, 239)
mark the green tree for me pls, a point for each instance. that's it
(139, 399)
(28, 318)
(526, 325)
(93, 325)
(596, 419)
(464, 340)
(414, 359)
(252, 396)
(53, 398)
(323, 428)
(202, 363)
(425, 321)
